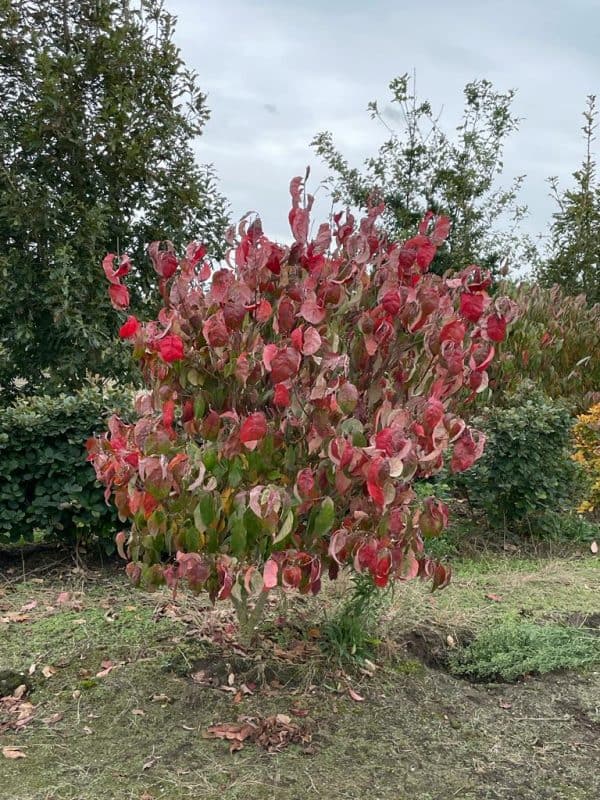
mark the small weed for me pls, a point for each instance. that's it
(350, 635)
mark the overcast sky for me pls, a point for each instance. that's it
(277, 72)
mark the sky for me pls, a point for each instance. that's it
(277, 72)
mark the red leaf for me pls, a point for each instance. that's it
(305, 482)
(129, 328)
(441, 230)
(170, 348)
(496, 327)
(453, 331)
(119, 296)
(376, 493)
(253, 430)
(472, 306)
(495, 597)
(264, 311)
(466, 451)
(425, 255)
(168, 414)
(215, 330)
(285, 364)
(281, 397)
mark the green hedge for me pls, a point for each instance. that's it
(47, 489)
(527, 470)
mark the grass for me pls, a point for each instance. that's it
(136, 731)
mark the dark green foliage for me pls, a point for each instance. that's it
(98, 118)
(46, 487)
(526, 469)
(422, 167)
(574, 253)
(513, 649)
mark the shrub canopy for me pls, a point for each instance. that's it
(294, 395)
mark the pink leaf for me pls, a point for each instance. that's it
(312, 312)
(312, 341)
(270, 572)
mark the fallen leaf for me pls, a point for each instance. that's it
(32, 669)
(594, 547)
(495, 597)
(48, 672)
(53, 719)
(29, 606)
(14, 616)
(20, 691)
(138, 712)
(150, 762)
(13, 752)
(504, 704)
(299, 712)
(63, 598)
(107, 667)
(231, 678)
(87, 729)
(355, 696)
(450, 641)
(160, 698)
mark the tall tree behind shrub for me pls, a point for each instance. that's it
(573, 261)
(420, 166)
(98, 115)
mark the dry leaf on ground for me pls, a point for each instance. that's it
(13, 752)
(274, 733)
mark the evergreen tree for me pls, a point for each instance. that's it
(573, 260)
(98, 116)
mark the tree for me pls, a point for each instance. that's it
(98, 118)
(573, 261)
(421, 167)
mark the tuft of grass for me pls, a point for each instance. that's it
(351, 633)
(513, 649)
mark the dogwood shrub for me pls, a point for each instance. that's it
(295, 393)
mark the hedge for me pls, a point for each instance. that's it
(47, 489)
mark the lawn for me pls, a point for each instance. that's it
(124, 686)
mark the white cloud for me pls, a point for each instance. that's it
(278, 72)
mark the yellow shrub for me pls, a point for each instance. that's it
(587, 453)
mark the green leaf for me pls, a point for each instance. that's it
(286, 527)
(204, 513)
(325, 517)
